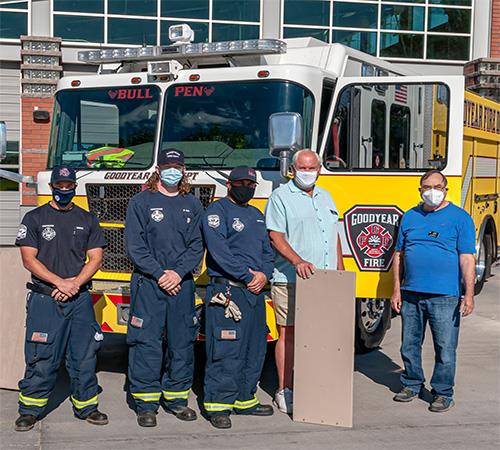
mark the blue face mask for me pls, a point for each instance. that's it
(171, 177)
(63, 197)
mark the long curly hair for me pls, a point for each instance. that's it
(154, 179)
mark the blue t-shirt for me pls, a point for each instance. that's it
(432, 242)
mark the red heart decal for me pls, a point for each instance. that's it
(112, 94)
(208, 91)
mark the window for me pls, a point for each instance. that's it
(13, 20)
(326, 100)
(225, 124)
(79, 28)
(105, 128)
(413, 136)
(133, 7)
(131, 31)
(244, 10)
(192, 9)
(233, 32)
(402, 29)
(11, 164)
(87, 6)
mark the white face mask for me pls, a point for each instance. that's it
(306, 180)
(433, 197)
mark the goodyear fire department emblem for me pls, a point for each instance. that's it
(157, 215)
(48, 232)
(371, 232)
(238, 225)
(213, 221)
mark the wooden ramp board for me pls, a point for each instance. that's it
(324, 348)
(13, 278)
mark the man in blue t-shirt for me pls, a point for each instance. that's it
(434, 255)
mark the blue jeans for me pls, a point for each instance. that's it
(442, 313)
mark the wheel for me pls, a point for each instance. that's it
(373, 318)
(483, 262)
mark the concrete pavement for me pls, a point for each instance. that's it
(379, 423)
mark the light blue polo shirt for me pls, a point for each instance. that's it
(309, 224)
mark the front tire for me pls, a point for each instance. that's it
(373, 319)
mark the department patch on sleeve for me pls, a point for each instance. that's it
(21, 234)
(213, 220)
(37, 336)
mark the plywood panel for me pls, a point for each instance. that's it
(324, 348)
(13, 278)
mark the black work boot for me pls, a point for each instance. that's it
(441, 404)
(221, 421)
(97, 418)
(146, 418)
(405, 395)
(262, 410)
(182, 412)
(25, 422)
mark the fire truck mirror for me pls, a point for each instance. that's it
(285, 133)
(3, 140)
(41, 116)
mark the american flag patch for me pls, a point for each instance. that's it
(39, 337)
(136, 322)
(228, 334)
(401, 93)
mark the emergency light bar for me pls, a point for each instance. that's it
(247, 47)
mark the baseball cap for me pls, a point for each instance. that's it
(63, 173)
(243, 173)
(170, 156)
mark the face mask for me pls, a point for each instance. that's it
(63, 197)
(171, 177)
(306, 180)
(242, 194)
(433, 197)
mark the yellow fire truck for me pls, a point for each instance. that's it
(376, 126)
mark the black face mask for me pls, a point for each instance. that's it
(63, 197)
(242, 194)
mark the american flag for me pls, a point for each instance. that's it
(39, 337)
(401, 93)
(228, 334)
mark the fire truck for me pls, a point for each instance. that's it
(376, 126)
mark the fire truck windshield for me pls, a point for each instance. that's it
(105, 128)
(225, 124)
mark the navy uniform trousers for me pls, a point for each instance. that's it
(155, 315)
(235, 352)
(57, 331)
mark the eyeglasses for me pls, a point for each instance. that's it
(439, 187)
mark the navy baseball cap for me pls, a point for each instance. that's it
(63, 173)
(170, 156)
(243, 173)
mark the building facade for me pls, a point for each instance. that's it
(429, 36)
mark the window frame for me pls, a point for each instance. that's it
(351, 170)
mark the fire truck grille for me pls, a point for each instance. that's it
(205, 193)
(109, 201)
(109, 204)
(114, 259)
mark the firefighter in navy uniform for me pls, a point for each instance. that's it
(55, 240)
(239, 263)
(163, 239)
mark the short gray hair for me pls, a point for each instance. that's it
(301, 152)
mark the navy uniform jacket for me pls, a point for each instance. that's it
(236, 240)
(164, 233)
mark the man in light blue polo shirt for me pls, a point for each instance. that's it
(302, 221)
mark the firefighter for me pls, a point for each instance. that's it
(55, 240)
(163, 239)
(239, 263)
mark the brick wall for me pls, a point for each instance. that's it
(35, 142)
(495, 30)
